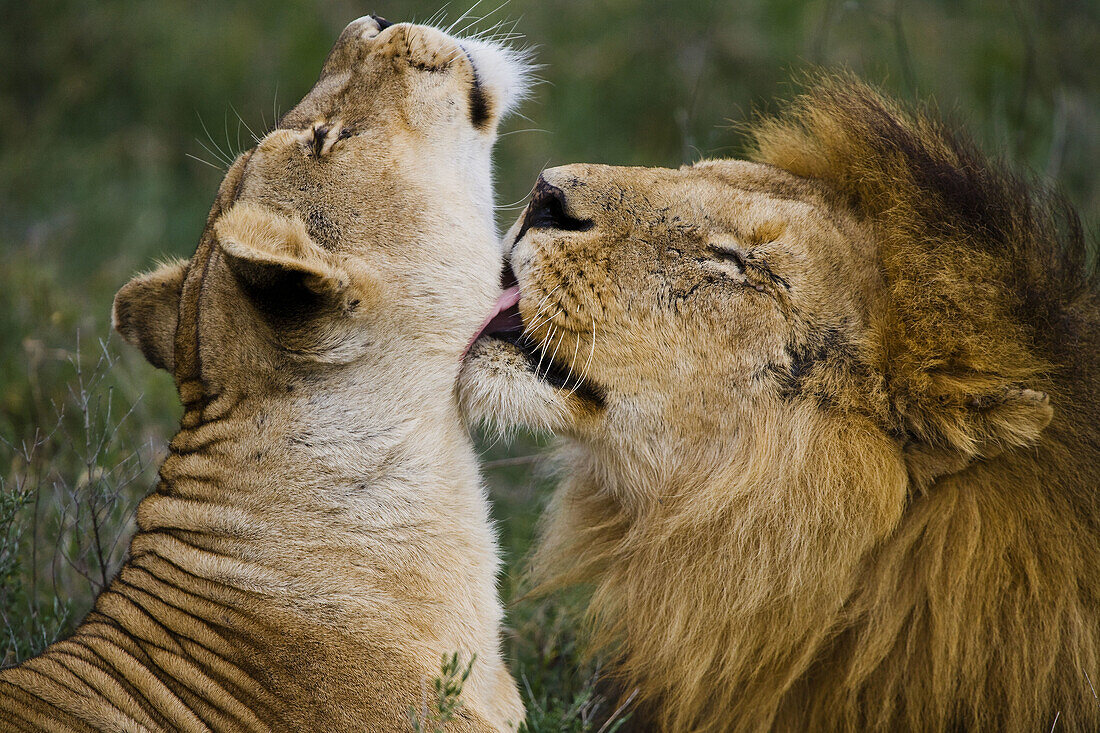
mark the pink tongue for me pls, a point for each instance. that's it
(500, 319)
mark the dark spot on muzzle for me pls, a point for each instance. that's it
(383, 24)
(480, 110)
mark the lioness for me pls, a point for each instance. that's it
(319, 537)
(833, 431)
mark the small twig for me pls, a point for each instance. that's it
(513, 461)
(618, 711)
(1058, 136)
(904, 58)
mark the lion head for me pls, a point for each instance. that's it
(807, 402)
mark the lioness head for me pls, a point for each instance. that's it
(315, 337)
(362, 225)
(801, 395)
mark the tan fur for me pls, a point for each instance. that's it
(319, 539)
(832, 428)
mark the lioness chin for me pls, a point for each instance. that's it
(831, 427)
(319, 539)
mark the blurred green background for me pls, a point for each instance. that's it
(109, 108)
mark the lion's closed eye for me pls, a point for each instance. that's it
(744, 267)
(730, 254)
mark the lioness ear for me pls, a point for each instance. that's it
(146, 311)
(983, 428)
(274, 258)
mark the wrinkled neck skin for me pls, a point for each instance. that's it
(329, 460)
(346, 511)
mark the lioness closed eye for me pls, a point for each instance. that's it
(318, 540)
(832, 456)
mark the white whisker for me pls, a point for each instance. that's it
(538, 308)
(478, 20)
(437, 16)
(553, 356)
(220, 158)
(526, 129)
(221, 154)
(240, 119)
(275, 108)
(202, 160)
(587, 363)
(225, 129)
(576, 350)
(462, 17)
(522, 200)
(542, 355)
(536, 319)
(538, 323)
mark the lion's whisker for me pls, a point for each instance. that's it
(587, 363)
(553, 356)
(538, 323)
(538, 309)
(542, 355)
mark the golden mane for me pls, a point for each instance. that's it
(922, 556)
(981, 262)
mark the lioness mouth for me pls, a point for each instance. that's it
(505, 323)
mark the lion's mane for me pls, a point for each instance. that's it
(978, 607)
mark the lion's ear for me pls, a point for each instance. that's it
(146, 311)
(983, 427)
(275, 260)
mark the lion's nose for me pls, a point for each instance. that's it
(548, 210)
(383, 24)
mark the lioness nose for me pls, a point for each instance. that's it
(383, 24)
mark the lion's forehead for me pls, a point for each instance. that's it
(750, 211)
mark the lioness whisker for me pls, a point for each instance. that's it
(225, 129)
(275, 109)
(221, 154)
(462, 17)
(490, 35)
(526, 129)
(221, 159)
(483, 17)
(255, 137)
(203, 160)
(437, 16)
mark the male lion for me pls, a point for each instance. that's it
(319, 538)
(833, 428)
